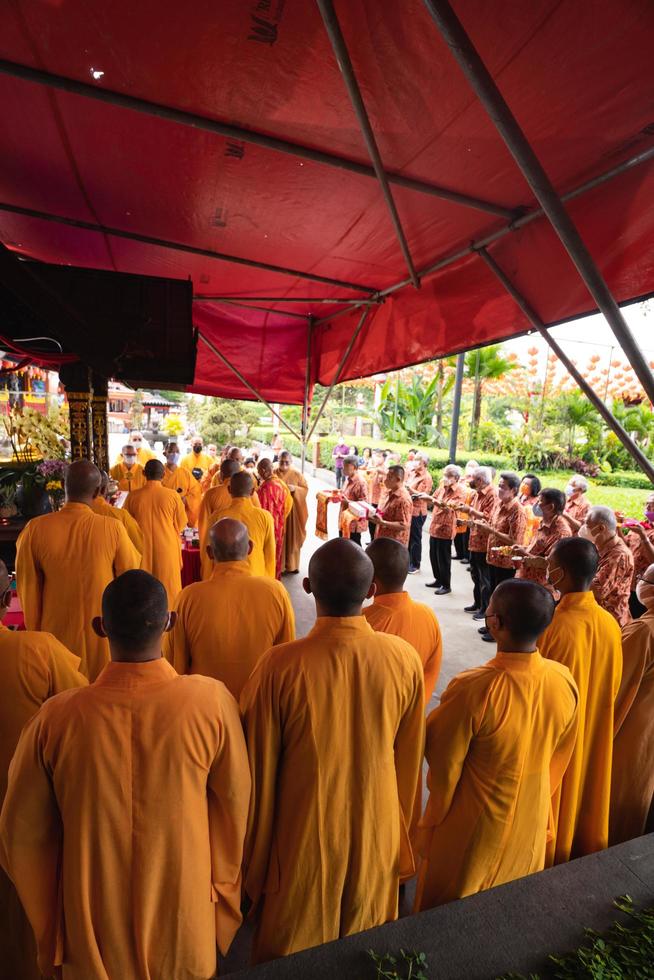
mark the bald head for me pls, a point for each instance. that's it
(572, 564)
(134, 616)
(228, 468)
(229, 540)
(340, 576)
(241, 484)
(154, 469)
(104, 483)
(518, 612)
(264, 468)
(390, 561)
(82, 481)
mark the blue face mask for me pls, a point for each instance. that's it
(172, 458)
(538, 510)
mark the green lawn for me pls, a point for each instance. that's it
(630, 502)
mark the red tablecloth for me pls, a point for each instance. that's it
(191, 569)
(14, 618)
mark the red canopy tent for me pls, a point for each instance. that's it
(219, 142)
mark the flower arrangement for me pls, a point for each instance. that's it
(51, 473)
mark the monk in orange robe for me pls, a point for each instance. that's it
(497, 748)
(127, 472)
(33, 667)
(632, 781)
(219, 498)
(212, 635)
(182, 482)
(274, 497)
(134, 792)
(63, 563)
(296, 522)
(334, 725)
(161, 516)
(100, 505)
(394, 611)
(258, 522)
(586, 639)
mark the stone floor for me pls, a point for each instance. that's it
(462, 646)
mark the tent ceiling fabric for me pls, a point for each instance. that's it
(577, 76)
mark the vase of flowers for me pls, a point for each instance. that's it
(52, 472)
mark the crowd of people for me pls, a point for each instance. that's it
(173, 757)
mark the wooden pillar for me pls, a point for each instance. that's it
(76, 379)
(99, 422)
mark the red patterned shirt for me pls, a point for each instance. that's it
(612, 584)
(487, 502)
(355, 489)
(443, 520)
(510, 519)
(422, 483)
(541, 544)
(396, 506)
(577, 508)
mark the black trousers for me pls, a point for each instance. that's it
(339, 477)
(498, 575)
(440, 556)
(415, 540)
(354, 536)
(461, 544)
(481, 579)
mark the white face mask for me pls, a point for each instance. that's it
(569, 490)
(129, 461)
(585, 532)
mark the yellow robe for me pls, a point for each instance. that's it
(497, 748)
(296, 522)
(64, 562)
(128, 479)
(416, 623)
(202, 461)
(217, 499)
(334, 725)
(147, 774)
(224, 625)
(33, 667)
(586, 639)
(632, 783)
(184, 483)
(262, 534)
(104, 509)
(161, 516)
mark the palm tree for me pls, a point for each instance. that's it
(484, 364)
(443, 386)
(576, 412)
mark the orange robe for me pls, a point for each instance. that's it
(64, 561)
(184, 483)
(262, 534)
(200, 461)
(497, 747)
(33, 667)
(632, 781)
(296, 522)
(224, 625)
(104, 509)
(586, 639)
(216, 499)
(161, 516)
(128, 479)
(397, 613)
(334, 725)
(134, 792)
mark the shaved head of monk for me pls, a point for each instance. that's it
(241, 484)
(154, 469)
(82, 482)
(390, 560)
(134, 617)
(518, 613)
(104, 483)
(572, 565)
(228, 468)
(340, 578)
(229, 540)
(265, 468)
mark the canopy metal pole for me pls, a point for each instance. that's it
(238, 134)
(342, 54)
(249, 306)
(181, 247)
(456, 405)
(339, 370)
(635, 161)
(307, 388)
(244, 381)
(483, 84)
(639, 457)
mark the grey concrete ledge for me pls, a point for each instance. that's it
(512, 928)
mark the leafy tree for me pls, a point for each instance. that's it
(179, 397)
(574, 412)
(221, 420)
(173, 425)
(482, 365)
(406, 412)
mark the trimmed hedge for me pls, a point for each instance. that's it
(628, 479)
